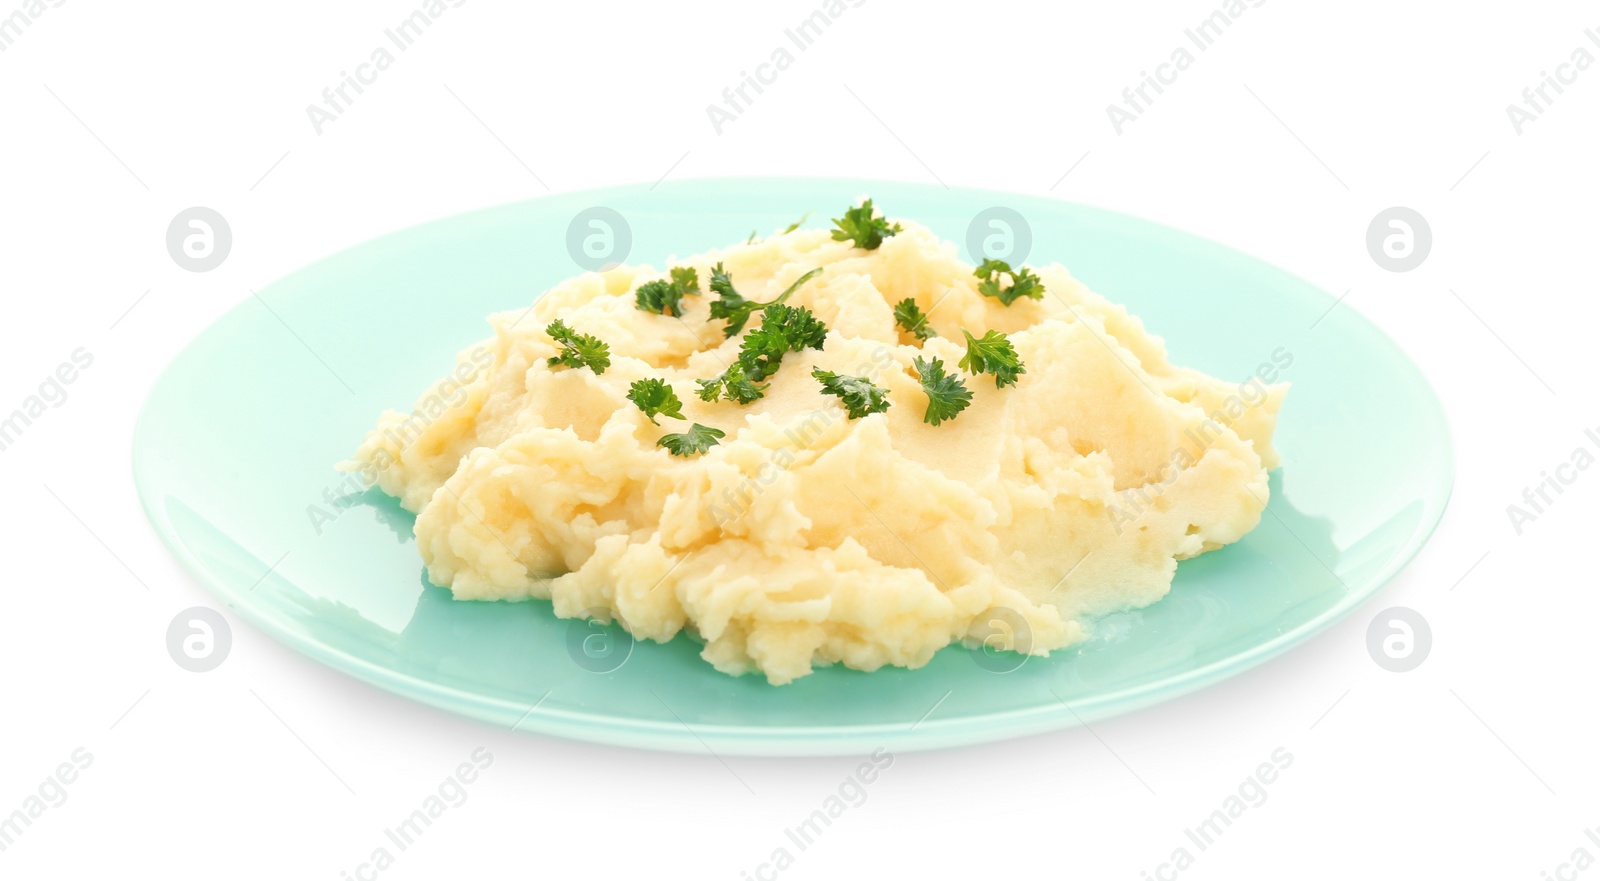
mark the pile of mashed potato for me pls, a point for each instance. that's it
(806, 537)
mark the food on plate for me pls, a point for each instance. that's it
(826, 446)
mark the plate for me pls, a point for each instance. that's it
(233, 457)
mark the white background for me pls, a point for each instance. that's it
(1284, 140)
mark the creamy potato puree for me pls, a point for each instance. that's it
(805, 537)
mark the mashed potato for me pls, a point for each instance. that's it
(806, 537)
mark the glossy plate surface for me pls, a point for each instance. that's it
(236, 444)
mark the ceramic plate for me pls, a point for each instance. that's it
(234, 454)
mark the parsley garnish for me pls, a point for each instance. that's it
(992, 354)
(732, 307)
(666, 297)
(686, 278)
(858, 393)
(732, 384)
(578, 349)
(947, 394)
(655, 398)
(783, 329)
(753, 239)
(1023, 282)
(796, 225)
(911, 320)
(697, 439)
(859, 226)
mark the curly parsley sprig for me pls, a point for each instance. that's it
(858, 394)
(733, 308)
(655, 398)
(947, 394)
(1023, 282)
(992, 354)
(783, 329)
(666, 297)
(909, 318)
(732, 384)
(697, 439)
(859, 226)
(577, 349)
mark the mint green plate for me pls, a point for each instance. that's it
(233, 459)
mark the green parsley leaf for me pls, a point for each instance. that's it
(733, 308)
(786, 230)
(795, 285)
(686, 279)
(947, 394)
(658, 296)
(711, 389)
(730, 305)
(859, 226)
(655, 398)
(993, 354)
(578, 349)
(858, 393)
(1023, 282)
(732, 384)
(666, 297)
(783, 329)
(910, 319)
(697, 439)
